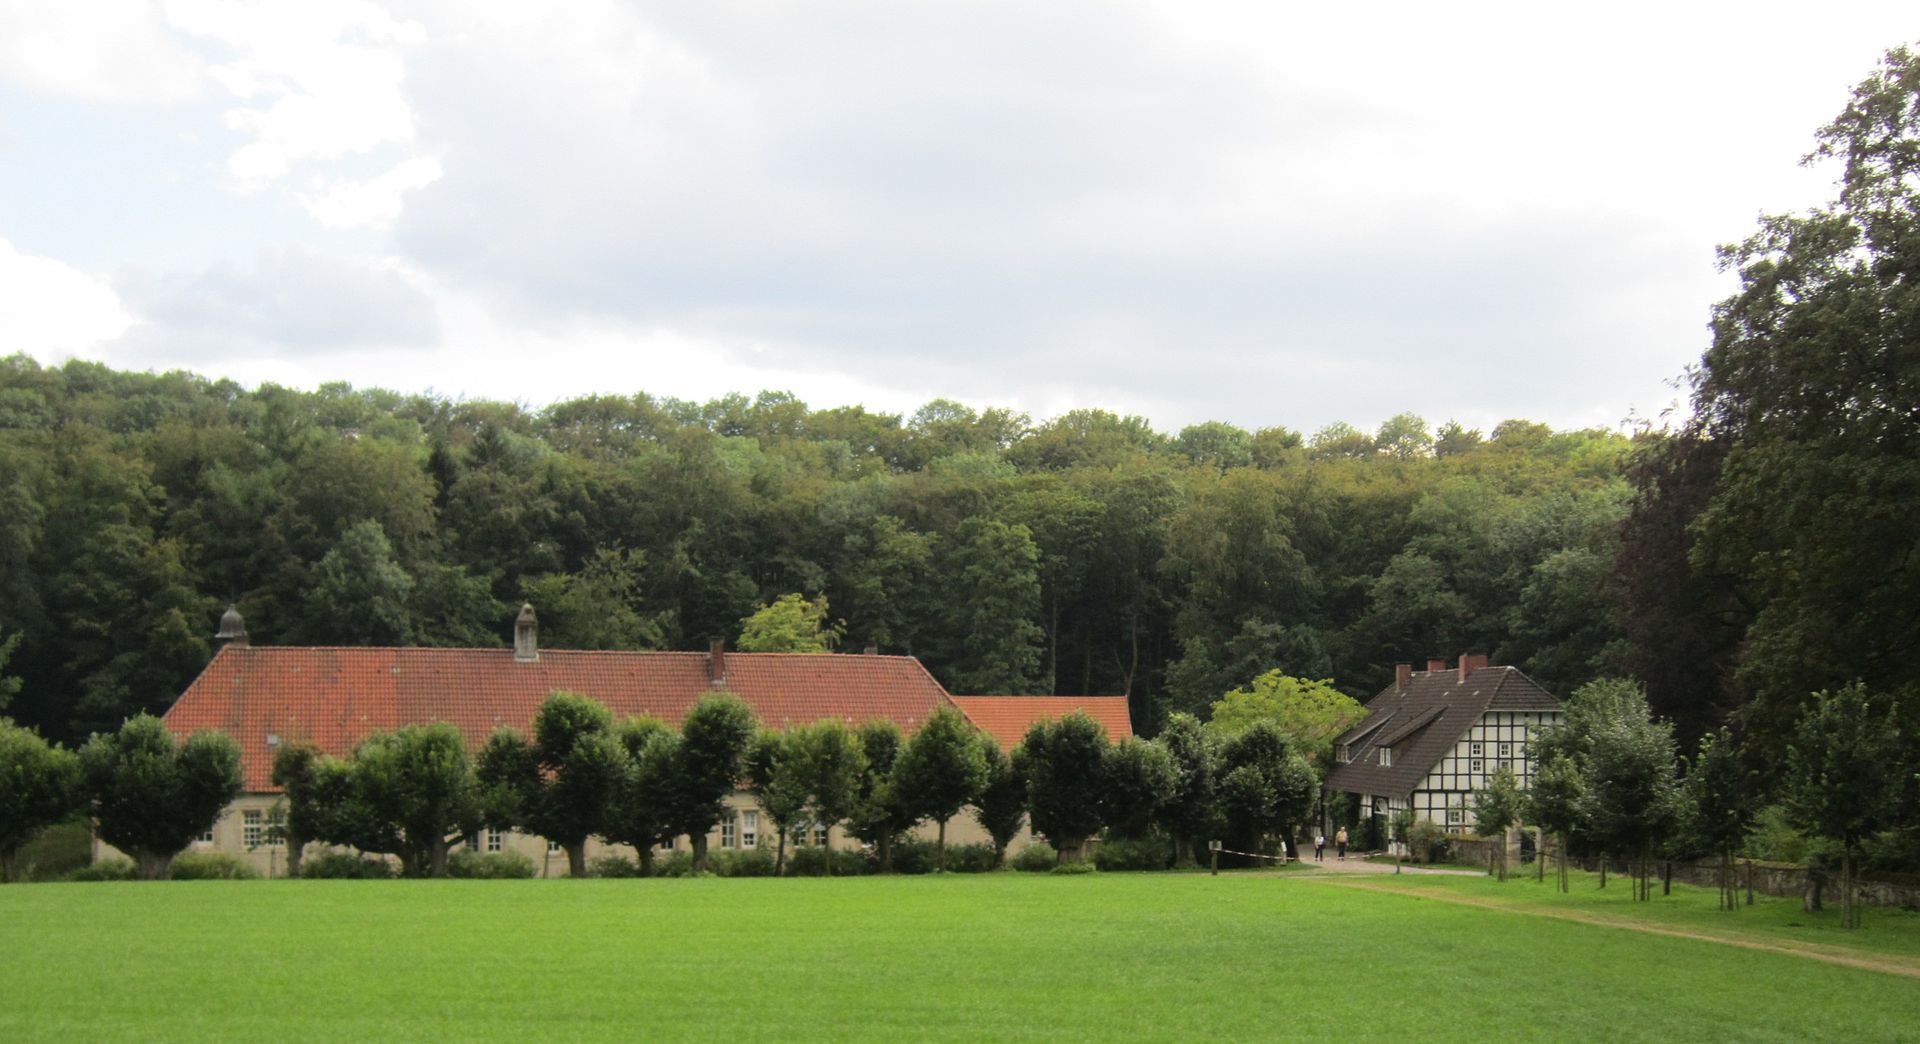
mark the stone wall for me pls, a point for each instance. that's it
(1787, 880)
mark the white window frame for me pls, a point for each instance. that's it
(728, 828)
(1386, 757)
(819, 835)
(552, 846)
(749, 829)
(1477, 766)
(253, 828)
(496, 840)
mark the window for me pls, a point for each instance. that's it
(1345, 753)
(1477, 765)
(473, 842)
(819, 834)
(206, 838)
(1473, 750)
(1386, 756)
(668, 844)
(726, 832)
(253, 828)
(1506, 750)
(494, 839)
(1505, 766)
(552, 847)
(749, 830)
(1453, 815)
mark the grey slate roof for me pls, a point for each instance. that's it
(1423, 721)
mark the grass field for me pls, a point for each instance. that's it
(1002, 956)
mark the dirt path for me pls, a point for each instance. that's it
(1891, 965)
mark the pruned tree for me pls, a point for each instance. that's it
(1064, 762)
(941, 771)
(1141, 779)
(151, 796)
(409, 793)
(776, 781)
(879, 815)
(1265, 787)
(832, 761)
(39, 786)
(708, 765)
(641, 813)
(1001, 806)
(1190, 813)
(294, 765)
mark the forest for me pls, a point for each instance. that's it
(1758, 550)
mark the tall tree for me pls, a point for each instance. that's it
(1631, 790)
(880, 816)
(941, 771)
(150, 795)
(1190, 812)
(39, 786)
(1557, 802)
(993, 584)
(1813, 384)
(641, 813)
(1310, 714)
(833, 760)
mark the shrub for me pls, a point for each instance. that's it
(923, 857)
(1427, 841)
(812, 862)
(1774, 839)
(59, 850)
(106, 870)
(1073, 868)
(613, 866)
(345, 866)
(490, 866)
(212, 866)
(1036, 858)
(676, 864)
(742, 862)
(969, 859)
(1132, 853)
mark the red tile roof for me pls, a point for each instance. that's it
(336, 697)
(1007, 718)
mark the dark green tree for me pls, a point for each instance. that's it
(642, 812)
(294, 766)
(776, 777)
(1265, 788)
(708, 765)
(1001, 806)
(1725, 798)
(562, 785)
(1190, 813)
(833, 761)
(993, 598)
(409, 793)
(1141, 780)
(1557, 802)
(39, 786)
(1065, 763)
(359, 594)
(150, 795)
(879, 816)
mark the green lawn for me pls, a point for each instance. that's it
(1096, 957)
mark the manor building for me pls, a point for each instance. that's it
(1434, 737)
(336, 697)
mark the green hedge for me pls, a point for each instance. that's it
(212, 866)
(1036, 858)
(345, 866)
(106, 870)
(490, 866)
(613, 866)
(1133, 853)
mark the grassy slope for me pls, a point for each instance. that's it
(1098, 957)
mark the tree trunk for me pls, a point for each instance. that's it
(1540, 856)
(154, 866)
(9, 859)
(886, 853)
(437, 867)
(296, 852)
(1811, 900)
(698, 842)
(826, 847)
(1071, 849)
(941, 847)
(577, 858)
(1603, 871)
(1666, 877)
(644, 853)
(999, 854)
(780, 855)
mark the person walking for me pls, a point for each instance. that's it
(1320, 847)
(1340, 841)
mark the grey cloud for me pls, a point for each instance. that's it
(288, 302)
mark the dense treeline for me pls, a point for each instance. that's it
(1085, 554)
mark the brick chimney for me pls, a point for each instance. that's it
(1470, 662)
(1436, 666)
(1402, 674)
(717, 663)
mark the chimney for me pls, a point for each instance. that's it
(233, 630)
(1402, 674)
(1470, 662)
(1436, 666)
(526, 635)
(717, 663)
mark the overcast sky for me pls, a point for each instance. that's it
(1187, 210)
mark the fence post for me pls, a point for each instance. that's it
(1213, 847)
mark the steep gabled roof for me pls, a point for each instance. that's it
(1422, 720)
(1007, 718)
(337, 697)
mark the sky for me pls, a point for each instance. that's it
(1266, 214)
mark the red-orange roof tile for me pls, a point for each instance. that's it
(1007, 718)
(336, 697)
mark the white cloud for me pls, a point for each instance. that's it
(373, 203)
(50, 309)
(321, 80)
(100, 51)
